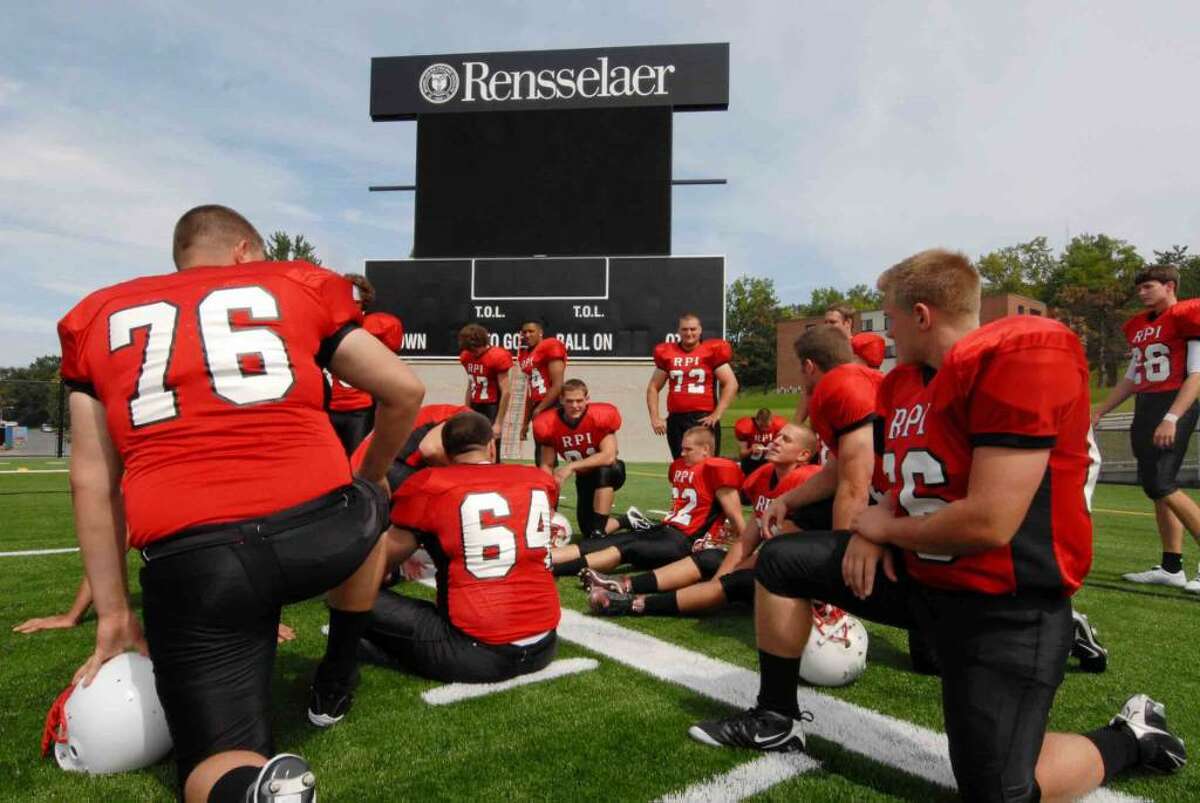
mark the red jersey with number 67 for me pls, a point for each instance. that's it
(763, 485)
(1020, 383)
(487, 528)
(691, 375)
(1163, 346)
(537, 365)
(344, 397)
(212, 383)
(694, 505)
(484, 371)
(575, 441)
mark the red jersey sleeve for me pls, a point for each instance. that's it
(609, 418)
(336, 299)
(543, 427)
(719, 353)
(553, 349)
(464, 357)
(1188, 318)
(743, 429)
(777, 423)
(73, 368)
(661, 361)
(410, 504)
(843, 401)
(723, 473)
(869, 347)
(498, 360)
(387, 328)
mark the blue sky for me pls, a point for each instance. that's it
(857, 133)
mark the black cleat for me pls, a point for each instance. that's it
(329, 702)
(1158, 748)
(284, 777)
(590, 578)
(757, 729)
(1092, 656)
(606, 603)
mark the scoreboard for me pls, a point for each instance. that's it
(600, 307)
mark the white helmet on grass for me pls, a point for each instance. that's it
(836, 653)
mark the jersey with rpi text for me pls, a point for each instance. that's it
(483, 372)
(344, 397)
(764, 484)
(843, 401)
(212, 383)
(1159, 346)
(487, 528)
(982, 397)
(694, 505)
(538, 366)
(427, 418)
(575, 441)
(691, 375)
(747, 431)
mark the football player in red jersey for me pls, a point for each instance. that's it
(488, 529)
(869, 349)
(487, 367)
(352, 411)
(754, 434)
(545, 363)
(704, 490)
(987, 503)
(1164, 373)
(227, 348)
(717, 572)
(581, 435)
(690, 370)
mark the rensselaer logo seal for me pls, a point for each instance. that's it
(439, 83)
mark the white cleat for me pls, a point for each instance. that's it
(1158, 576)
(1193, 585)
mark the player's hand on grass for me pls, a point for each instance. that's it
(284, 633)
(60, 622)
(1164, 434)
(563, 473)
(658, 425)
(860, 562)
(115, 633)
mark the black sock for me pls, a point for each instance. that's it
(231, 787)
(1172, 562)
(623, 522)
(643, 583)
(570, 568)
(661, 604)
(1118, 748)
(346, 628)
(777, 679)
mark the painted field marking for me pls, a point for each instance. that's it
(746, 779)
(29, 552)
(456, 692)
(1121, 512)
(36, 471)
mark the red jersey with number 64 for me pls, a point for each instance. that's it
(1020, 383)
(212, 382)
(484, 373)
(575, 441)
(487, 528)
(694, 505)
(1160, 345)
(691, 375)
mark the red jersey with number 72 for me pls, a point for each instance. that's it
(1019, 383)
(691, 375)
(1163, 345)
(694, 505)
(580, 439)
(487, 528)
(484, 371)
(539, 359)
(212, 383)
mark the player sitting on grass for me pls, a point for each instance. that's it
(711, 577)
(487, 527)
(582, 435)
(753, 436)
(703, 488)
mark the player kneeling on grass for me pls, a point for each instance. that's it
(582, 436)
(715, 574)
(487, 528)
(704, 489)
(987, 504)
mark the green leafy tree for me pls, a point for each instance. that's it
(1023, 268)
(1189, 268)
(752, 309)
(29, 395)
(860, 297)
(282, 248)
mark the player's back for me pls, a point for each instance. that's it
(212, 383)
(491, 528)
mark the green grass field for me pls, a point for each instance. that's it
(614, 733)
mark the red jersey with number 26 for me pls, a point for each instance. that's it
(212, 383)
(578, 440)
(691, 375)
(484, 373)
(1160, 343)
(1019, 382)
(544, 353)
(344, 397)
(487, 528)
(694, 505)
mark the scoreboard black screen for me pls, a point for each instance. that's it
(601, 307)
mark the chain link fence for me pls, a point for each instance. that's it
(34, 419)
(1118, 464)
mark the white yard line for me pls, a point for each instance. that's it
(36, 471)
(456, 692)
(746, 779)
(29, 552)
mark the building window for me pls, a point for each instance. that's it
(808, 326)
(1034, 311)
(887, 323)
(1020, 309)
(868, 325)
(889, 352)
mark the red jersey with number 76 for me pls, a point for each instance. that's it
(212, 383)
(487, 528)
(691, 375)
(1160, 344)
(982, 397)
(694, 505)
(579, 439)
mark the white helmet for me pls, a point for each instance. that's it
(114, 725)
(560, 530)
(836, 653)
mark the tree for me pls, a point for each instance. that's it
(1023, 268)
(751, 311)
(861, 297)
(29, 395)
(1189, 269)
(282, 248)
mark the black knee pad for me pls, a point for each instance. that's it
(738, 586)
(609, 476)
(708, 561)
(231, 787)
(787, 560)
